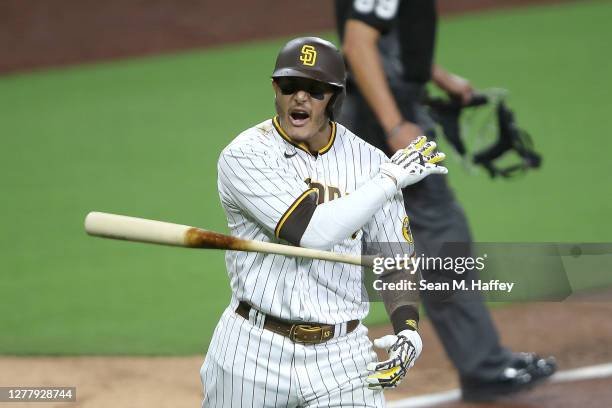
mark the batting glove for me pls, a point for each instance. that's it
(414, 163)
(403, 348)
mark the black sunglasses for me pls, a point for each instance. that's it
(290, 85)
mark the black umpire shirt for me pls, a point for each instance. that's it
(412, 23)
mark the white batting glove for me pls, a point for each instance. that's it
(403, 348)
(414, 163)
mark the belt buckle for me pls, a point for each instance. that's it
(308, 334)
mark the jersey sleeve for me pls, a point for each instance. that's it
(379, 14)
(259, 184)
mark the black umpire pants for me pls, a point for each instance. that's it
(462, 321)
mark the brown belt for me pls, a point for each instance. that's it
(307, 333)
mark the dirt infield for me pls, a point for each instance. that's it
(578, 334)
(543, 328)
(42, 33)
(583, 394)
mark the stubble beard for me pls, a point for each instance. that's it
(283, 114)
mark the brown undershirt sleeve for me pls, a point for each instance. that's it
(294, 221)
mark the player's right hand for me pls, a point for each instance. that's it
(414, 163)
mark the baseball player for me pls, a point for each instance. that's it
(292, 334)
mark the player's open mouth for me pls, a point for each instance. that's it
(299, 117)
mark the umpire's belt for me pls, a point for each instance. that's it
(307, 333)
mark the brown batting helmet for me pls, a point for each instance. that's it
(317, 59)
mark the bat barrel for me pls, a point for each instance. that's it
(135, 229)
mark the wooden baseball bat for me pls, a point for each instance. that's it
(165, 233)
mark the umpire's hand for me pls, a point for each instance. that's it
(403, 348)
(414, 163)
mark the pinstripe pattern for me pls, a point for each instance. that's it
(260, 176)
(253, 367)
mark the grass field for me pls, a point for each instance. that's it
(142, 136)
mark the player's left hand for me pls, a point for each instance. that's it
(403, 348)
(414, 163)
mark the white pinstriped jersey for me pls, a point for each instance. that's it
(262, 175)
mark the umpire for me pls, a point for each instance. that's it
(389, 46)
